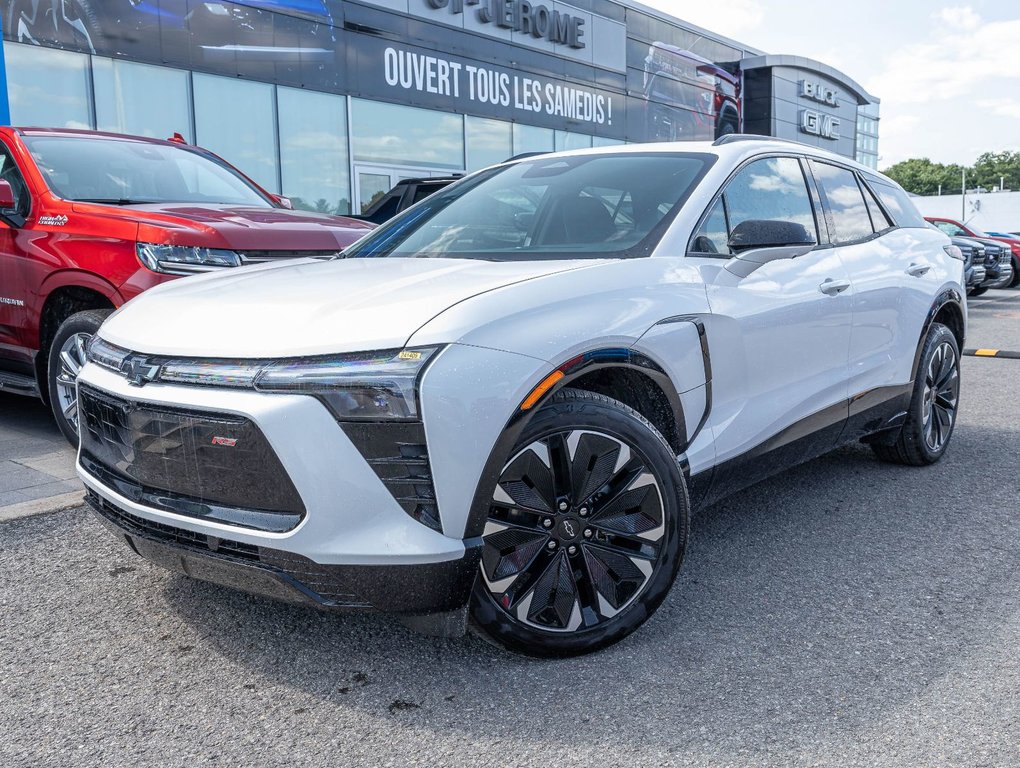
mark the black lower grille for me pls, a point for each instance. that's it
(194, 463)
(323, 583)
(398, 454)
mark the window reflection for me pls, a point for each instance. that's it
(398, 135)
(141, 99)
(47, 88)
(235, 119)
(566, 140)
(488, 142)
(313, 150)
(531, 138)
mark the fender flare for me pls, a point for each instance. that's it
(945, 297)
(571, 370)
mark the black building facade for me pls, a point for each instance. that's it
(332, 101)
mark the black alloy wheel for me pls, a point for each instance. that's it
(934, 403)
(69, 24)
(586, 530)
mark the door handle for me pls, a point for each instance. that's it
(832, 287)
(916, 270)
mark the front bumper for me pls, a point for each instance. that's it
(407, 590)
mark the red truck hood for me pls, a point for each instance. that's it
(226, 226)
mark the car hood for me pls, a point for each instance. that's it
(235, 227)
(308, 307)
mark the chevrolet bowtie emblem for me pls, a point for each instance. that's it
(139, 371)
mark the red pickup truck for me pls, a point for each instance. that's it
(89, 220)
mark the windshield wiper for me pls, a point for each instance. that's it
(113, 201)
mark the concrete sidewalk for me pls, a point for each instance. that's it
(36, 463)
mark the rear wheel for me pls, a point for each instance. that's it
(1016, 272)
(66, 358)
(586, 530)
(933, 405)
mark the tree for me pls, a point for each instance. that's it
(992, 167)
(921, 176)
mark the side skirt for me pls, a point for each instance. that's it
(879, 412)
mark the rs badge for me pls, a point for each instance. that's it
(228, 442)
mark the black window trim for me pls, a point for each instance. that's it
(828, 212)
(689, 251)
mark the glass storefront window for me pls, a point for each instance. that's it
(236, 119)
(392, 134)
(48, 88)
(530, 138)
(488, 142)
(313, 150)
(141, 99)
(601, 141)
(569, 140)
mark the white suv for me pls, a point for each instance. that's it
(505, 403)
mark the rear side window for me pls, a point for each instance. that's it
(772, 188)
(849, 220)
(878, 218)
(897, 204)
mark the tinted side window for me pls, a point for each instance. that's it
(849, 213)
(897, 204)
(878, 218)
(772, 188)
(10, 173)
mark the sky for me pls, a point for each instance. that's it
(947, 73)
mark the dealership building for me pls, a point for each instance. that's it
(330, 102)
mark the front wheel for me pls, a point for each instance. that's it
(66, 358)
(1016, 272)
(931, 416)
(586, 530)
(975, 292)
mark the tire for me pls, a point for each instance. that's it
(583, 594)
(77, 28)
(1016, 272)
(66, 356)
(977, 291)
(934, 404)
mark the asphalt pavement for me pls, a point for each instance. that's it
(844, 613)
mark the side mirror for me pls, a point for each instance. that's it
(8, 206)
(768, 233)
(6, 195)
(283, 202)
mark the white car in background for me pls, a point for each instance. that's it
(505, 402)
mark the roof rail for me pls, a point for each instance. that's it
(732, 138)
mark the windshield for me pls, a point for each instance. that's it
(586, 206)
(128, 172)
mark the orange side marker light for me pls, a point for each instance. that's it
(544, 386)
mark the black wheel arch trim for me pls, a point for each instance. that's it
(580, 365)
(946, 297)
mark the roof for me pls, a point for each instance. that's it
(802, 62)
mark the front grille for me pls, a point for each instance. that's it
(212, 466)
(259, 257)
(327, 583)
(398, 454)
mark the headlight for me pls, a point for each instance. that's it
(377, 385)
(954, 252)
(185, 259)
(370, 386)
